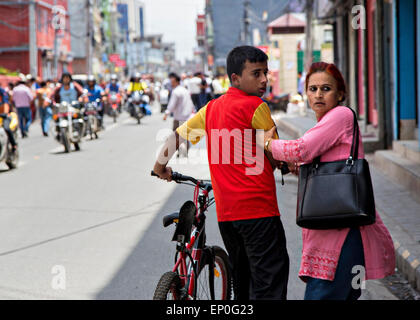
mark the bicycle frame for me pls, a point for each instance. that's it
(189, 273)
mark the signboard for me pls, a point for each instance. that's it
(201, 27)
(114, 57)
(120, 63)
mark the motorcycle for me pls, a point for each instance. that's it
(114, 99)
(92, 119)
(138, 105)
(6, 152)
(70, 125)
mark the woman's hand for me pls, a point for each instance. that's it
(293, 167)
(269, 135)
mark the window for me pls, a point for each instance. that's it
(328, 35)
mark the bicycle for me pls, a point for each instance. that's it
(200, 271)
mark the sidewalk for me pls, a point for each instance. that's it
(397, 207)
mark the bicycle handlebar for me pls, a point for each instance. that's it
(178, 177)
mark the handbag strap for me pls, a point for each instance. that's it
(354, 150)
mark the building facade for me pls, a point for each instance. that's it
(35, 37)
(376, 47)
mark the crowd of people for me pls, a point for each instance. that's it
(33, 97)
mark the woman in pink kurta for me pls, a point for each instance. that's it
(322, 250)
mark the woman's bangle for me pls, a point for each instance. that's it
(267, 143)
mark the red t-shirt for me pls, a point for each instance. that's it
(241, 175)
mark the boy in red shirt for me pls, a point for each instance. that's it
(243, 184)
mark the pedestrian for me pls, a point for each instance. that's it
(180, 104)
(328, 256)
(206, 93)
(301, 83)
(22, 98)
(217, 86)
(244, 189)
(44, 106)
(194, 87)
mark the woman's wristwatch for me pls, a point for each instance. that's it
(266, 144)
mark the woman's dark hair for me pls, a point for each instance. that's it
(235, 62)
(66, 74)
(333, 71)
(175, 76)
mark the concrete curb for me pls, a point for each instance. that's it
(406, 262)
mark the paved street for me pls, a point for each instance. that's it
(93, 218)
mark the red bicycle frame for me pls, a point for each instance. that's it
(187, 273)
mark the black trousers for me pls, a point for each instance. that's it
(258, 258)
(196, 101)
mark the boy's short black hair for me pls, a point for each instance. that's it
(236, 59)
(174, 75)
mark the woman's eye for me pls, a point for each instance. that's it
(313, 89)
(326, 88)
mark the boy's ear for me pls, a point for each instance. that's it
(234, 78)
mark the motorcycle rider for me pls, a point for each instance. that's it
(136, 84)
(113, 86)
(67, 90)
(5, 110)
(96, 92)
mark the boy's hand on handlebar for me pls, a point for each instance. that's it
(164, 174)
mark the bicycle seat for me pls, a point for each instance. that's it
(170, 218)
(185, 222)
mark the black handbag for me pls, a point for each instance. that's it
(337, 194)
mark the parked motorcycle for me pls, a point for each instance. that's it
(7, 155)
(70, 125)
(92, 119)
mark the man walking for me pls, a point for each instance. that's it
(22, 97)
(180, 103)
(194, 87)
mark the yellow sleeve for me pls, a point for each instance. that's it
(195, 128)
(262, 118)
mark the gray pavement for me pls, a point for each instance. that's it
(88, 225)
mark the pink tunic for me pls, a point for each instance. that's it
(331, 138)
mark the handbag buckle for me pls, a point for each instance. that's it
(350, 161)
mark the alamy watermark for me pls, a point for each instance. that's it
(359, 20)
(359, 280)
(58, 281)
(226, 147)
(59, 17)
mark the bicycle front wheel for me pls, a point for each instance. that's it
(168, 287)
(214, 278)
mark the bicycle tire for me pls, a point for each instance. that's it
(222, 270)
(169, 283)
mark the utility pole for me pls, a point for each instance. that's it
(88, 38)
(33, 50)
(308, 31)
(55, 26)
(246, 23)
